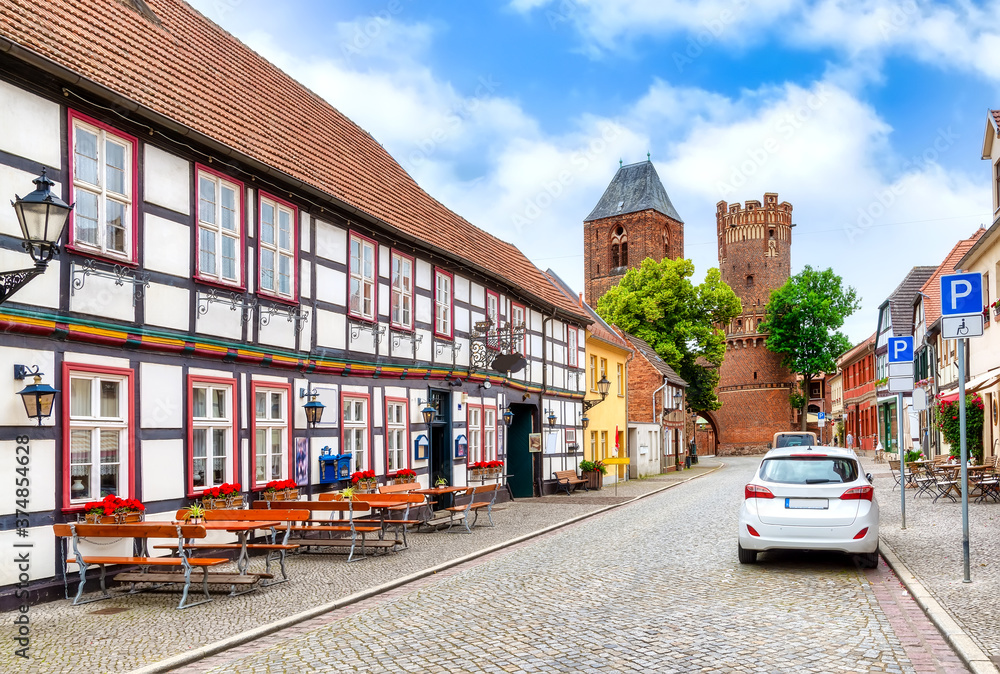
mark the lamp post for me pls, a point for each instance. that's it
(42, 216)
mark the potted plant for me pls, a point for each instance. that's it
(195, 514)
(232, 494)
(112, 509)
(363, 480)
(593, 472)
(281, 490)
(476, 470)
(441, 482)
(404, 475)
(494, 468)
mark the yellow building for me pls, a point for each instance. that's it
(607, 358)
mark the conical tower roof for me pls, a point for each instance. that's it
(635, 187)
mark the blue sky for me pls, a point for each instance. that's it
(867, 115)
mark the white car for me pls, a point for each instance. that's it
(810, 498)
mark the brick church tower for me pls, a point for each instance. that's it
(633, 220)
(754, 258)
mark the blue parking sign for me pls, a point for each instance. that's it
(961, 294)
(901, 349)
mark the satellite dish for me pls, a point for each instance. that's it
(509, 362)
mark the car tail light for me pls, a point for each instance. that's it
(756, 491)
(861, 534)
(863, 493)
(753, 532)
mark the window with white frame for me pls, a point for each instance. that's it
(593, 373)
(395, 430)
(621, 380)
(99, 428)
(517, 318)
(475, 434)
(571, 346)
(219, 229)
(271, 435)
(493, 308)
(211, 434)
(103, 176)
(402, 291)
(442, 304)
(489, 434)
(356, 432)
(362, 281)
(277, 252)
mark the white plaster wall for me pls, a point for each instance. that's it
(42, 554)
(101, 297)
(423, 311)
(41, 469)
(31, 127)
(279, 331)
(16, 182)
(477, 295)
(162, 469)
(167, 180)
(329, 395)
(405, 348)
(330, 329)
(168, 307)
(534, 320)
(331, 242)
(305, 279)
(305, 229)
(534, 373)
(462, 356)
(41, 291)
(382, 295)
(461, 318)
(91, 359)
(424, 347)
(383, 261)
(220, 321)
(423, 277)
(461, 289)
(251, 211)
(363, 342)
(161, 399)
(167, 246)
(11, 406)
(535, 344)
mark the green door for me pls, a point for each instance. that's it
(519, 459)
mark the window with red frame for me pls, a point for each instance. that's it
(489, 433)
(99, 428)
(103, 186)
(212, 436)
(362, 301)
(220, 228)
(475, 434)
(442, 304)
(493, 308)
(396, 435)
(355, 432)
(401, 304)
(276, 243)
(270, 439)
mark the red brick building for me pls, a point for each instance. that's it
(633, 220)
(860, 415)
(755, 258)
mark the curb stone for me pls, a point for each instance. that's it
(964, 646)
(235, 640)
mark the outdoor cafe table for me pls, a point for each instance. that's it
(242, 531)
(438, 491)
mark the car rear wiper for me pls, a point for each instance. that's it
(818, 481)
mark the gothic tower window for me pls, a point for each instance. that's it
(619, 248)
(666, 245)
(749, 280)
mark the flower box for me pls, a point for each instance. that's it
(122, 518)
(594, 478)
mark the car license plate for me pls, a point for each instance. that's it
(807, 503)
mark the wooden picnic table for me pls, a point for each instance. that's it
(242, 531)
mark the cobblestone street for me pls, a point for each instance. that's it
(654, 586)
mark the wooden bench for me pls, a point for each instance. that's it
(568, 480)
(140, 531)
(336, 533)
(395, 488)
(274, 551)
(400, 519)
(486, 495)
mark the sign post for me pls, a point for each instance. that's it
(962, 310)
(900, 380)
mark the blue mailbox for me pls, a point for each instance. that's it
(333, 467)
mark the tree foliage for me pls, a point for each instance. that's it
(803, 319)
(659, 304)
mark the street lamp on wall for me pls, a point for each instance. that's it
(427, 411)
(603, 387)
(552, 418)
(313, 408)
(584, 422)
(42, 216)
(508, 417)
(37, 397)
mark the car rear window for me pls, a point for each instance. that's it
(809, 470)
(800, 440)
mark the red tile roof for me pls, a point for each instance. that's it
(853, 353)
(932, 287)
(996, 117)
(196, 74)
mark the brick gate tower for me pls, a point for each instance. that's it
(633, 220)
(754, 258)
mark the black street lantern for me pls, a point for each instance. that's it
(584, 422)
(678, 396)
(37, 397)
(42, 216)
(313, 409)
(427, 412)
(508, 417)
(552, 419)
(603, 386)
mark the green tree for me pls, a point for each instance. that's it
(803, 318)
(659, 304)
